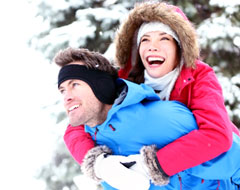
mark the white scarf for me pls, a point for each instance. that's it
(163, 84)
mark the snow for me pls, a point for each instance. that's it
(101, 13)
(231, 92)
(215, 28)
(224, 3)
(28, 83)
(27, 131)
(82, 182)
(236, 41)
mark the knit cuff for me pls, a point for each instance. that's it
(89, 161)
(156, 173)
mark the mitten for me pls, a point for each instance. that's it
(101, 166)
(148, 165)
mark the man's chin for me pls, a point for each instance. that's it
(75, 124)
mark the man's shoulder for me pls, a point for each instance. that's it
(136, 93)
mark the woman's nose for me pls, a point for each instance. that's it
(153, 47)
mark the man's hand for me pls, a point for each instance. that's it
(100, 165)
(139, 165)
(110, 169)
(147, 165)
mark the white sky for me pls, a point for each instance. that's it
(27, 83)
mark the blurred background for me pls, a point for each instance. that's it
(33, 154)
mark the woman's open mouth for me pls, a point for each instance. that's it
(155, 60)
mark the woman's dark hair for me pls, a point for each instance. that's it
(137, 72)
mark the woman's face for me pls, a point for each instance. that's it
(158, 52)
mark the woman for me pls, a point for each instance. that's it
(157, 45)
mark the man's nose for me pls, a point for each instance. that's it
(68, 96)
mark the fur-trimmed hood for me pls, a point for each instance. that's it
(172, 16)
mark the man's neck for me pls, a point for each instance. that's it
(101, 118)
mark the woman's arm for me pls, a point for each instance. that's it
(214, 135)
(78, 142)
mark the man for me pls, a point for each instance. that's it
(124, 119)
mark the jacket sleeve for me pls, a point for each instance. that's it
(78, 142)
(214, 135)
(222, 167)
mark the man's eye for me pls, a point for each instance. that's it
(62, 91)
(75, 84)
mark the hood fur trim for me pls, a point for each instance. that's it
(172, 16)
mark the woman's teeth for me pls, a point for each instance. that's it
(155, 60)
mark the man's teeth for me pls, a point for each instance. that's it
(73, 107)
(150, 59)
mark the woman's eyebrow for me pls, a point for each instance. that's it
(160, 34)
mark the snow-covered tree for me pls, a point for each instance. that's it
(85, 23)
(92, 24)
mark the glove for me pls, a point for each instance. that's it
(148, 165)
(99, 165)
(139, 165)
(110, 169)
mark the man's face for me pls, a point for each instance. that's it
(81, 104)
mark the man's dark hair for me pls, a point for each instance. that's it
(89, 58)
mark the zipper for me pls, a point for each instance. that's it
(180, 181)
(113, 129)
(218, 185)
(95, 134)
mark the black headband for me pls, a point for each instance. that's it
(102, 83)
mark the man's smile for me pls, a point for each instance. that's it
(73, 108)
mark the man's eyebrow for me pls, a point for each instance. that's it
(60, 87)
(69, 82)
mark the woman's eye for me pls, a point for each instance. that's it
(165, 38)
(144, 39)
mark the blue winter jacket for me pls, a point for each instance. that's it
(141, 118)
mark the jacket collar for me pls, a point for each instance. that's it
(185, 78)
